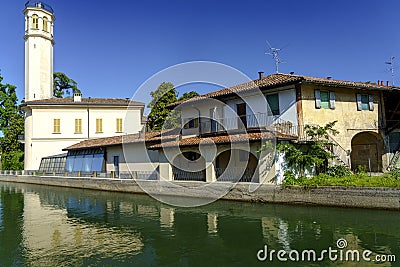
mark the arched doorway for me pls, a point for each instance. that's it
(236, 165)
(366, 152)
(189, 166)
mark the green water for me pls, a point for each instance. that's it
(51, 226)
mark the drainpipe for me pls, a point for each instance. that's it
(88, 118)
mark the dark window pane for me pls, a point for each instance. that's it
(273, 102)
(78, 163)
(87, 163)
(97, 164)
(364, 102)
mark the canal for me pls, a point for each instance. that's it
(52, 226)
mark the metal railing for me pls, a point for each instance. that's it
(39, 4)
(252, 121)
(181, 175)
(147, 175)
(235, 174)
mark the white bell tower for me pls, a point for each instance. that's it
(39, 19)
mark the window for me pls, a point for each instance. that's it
(35, 21)
(119, 125)
(78, 126)
(365, 102)
(324, 99)
(191, 123)
(45, 24)
(56, 126)
(273, 102)
(99, 125)
(85, 160)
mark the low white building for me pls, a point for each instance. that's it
(56, 123)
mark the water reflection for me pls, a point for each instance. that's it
(49, 226)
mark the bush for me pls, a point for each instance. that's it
(338, 170)
(361, 169)
(395, 173)
(289, 178)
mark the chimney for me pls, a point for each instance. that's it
(77, 97)
(379, 82)
(387, 83)
(260, 74)
(382, 83)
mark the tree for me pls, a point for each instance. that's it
(315, 153)
(12, 126)
(62, 85)
(188, 95)
(163, 96)
(160, 116)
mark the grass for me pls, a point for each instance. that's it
(360, 179)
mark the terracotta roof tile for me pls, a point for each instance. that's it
(153, 136)
(278, 80)
(222, 139)
(86, 101)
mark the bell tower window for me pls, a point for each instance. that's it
(45, 24)
(35, 21)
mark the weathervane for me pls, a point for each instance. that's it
(274, 52)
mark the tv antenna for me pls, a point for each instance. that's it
(391, 68)
(274, 52)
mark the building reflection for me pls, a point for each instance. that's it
(51, 231)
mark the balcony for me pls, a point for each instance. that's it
(247, 122)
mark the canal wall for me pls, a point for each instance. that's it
(336, 196)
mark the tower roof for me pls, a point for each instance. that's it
(39, 4)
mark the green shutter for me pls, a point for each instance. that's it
(273, 102)
(324, 99)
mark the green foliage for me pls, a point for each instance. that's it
(314, 154)
(163, 96)
(8, 103)
(362, 169)
(12, 125)
(395, 173)
(338, 171)
(289, 178)
(160, 116)
(188, 95)
(62, 85)
(385, 180)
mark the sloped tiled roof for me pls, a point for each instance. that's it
(86, 101)
(153, 136)
(279, 80)
(222, 139)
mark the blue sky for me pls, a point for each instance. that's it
(111, 47)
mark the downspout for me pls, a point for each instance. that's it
(88, 124)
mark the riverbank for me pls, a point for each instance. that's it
(335, 196)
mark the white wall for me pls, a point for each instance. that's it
(133, 157)
(40, 141)
(255, 104)
(38, 56)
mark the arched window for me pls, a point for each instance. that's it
(45, 24)
(35, 21)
